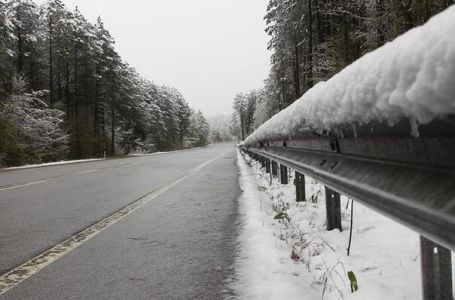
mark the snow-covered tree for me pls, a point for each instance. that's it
(311, 40)
(40, 136)
(220, 128)
(108, 107)
(198, 132)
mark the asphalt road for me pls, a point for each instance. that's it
(179, 245)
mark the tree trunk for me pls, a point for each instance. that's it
(296, 70)
(283, 85)
(33, 83)
(113, 132)
(96, 130)
(67, 91)
(310, 45)
(347, 57)
(319, 24)
(59, 79)
(76, 105)
(20, 58)
(379, 29)
(51, 69)
(103, 127)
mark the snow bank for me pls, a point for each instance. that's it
(263, 269)
(412, 77)
(299, 259)
(63, 162)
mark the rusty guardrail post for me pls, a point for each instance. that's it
(436, 265)
(333, 209)
(263, 161)
(300, 187)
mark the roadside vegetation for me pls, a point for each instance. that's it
(312, 40)
(65, 93)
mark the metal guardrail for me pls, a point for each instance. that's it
(411, 180)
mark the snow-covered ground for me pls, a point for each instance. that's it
(63, 162)
(171, 151)
(411, 77)
(297, 258)
(66, 162)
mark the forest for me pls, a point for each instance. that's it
(312, 40)
(65, 93)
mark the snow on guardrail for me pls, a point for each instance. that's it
(411, 77)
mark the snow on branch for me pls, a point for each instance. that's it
(411, 77)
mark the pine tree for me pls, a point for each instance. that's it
(40, 136)
(312, 40)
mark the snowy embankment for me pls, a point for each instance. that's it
(67, 162)
(295, 257)
(412, 77)
(63, 162)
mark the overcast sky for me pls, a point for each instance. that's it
(208, 49)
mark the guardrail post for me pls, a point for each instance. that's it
(274, 168)
(263, 161)
(436, 271)
(267, 165)
(333, 209)
(284, 174)
(300, 187)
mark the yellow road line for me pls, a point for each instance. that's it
(14, 277)
(22, 185)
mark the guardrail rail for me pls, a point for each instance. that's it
(382, 132)
(411, 180)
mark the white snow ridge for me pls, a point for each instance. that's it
(411, 77)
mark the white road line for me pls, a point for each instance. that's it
(14, 277)
(22, 185)
(41, 181)
(125, 166)
(86, 172)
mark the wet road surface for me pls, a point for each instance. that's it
(178, 244)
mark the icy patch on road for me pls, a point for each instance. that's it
(297, 258)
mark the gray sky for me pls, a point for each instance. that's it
(208, 49)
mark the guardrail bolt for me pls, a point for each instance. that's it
(299, 187)
(274, 168)
(333, 209)
(267, 165)
(284, 174)
(436, 271)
